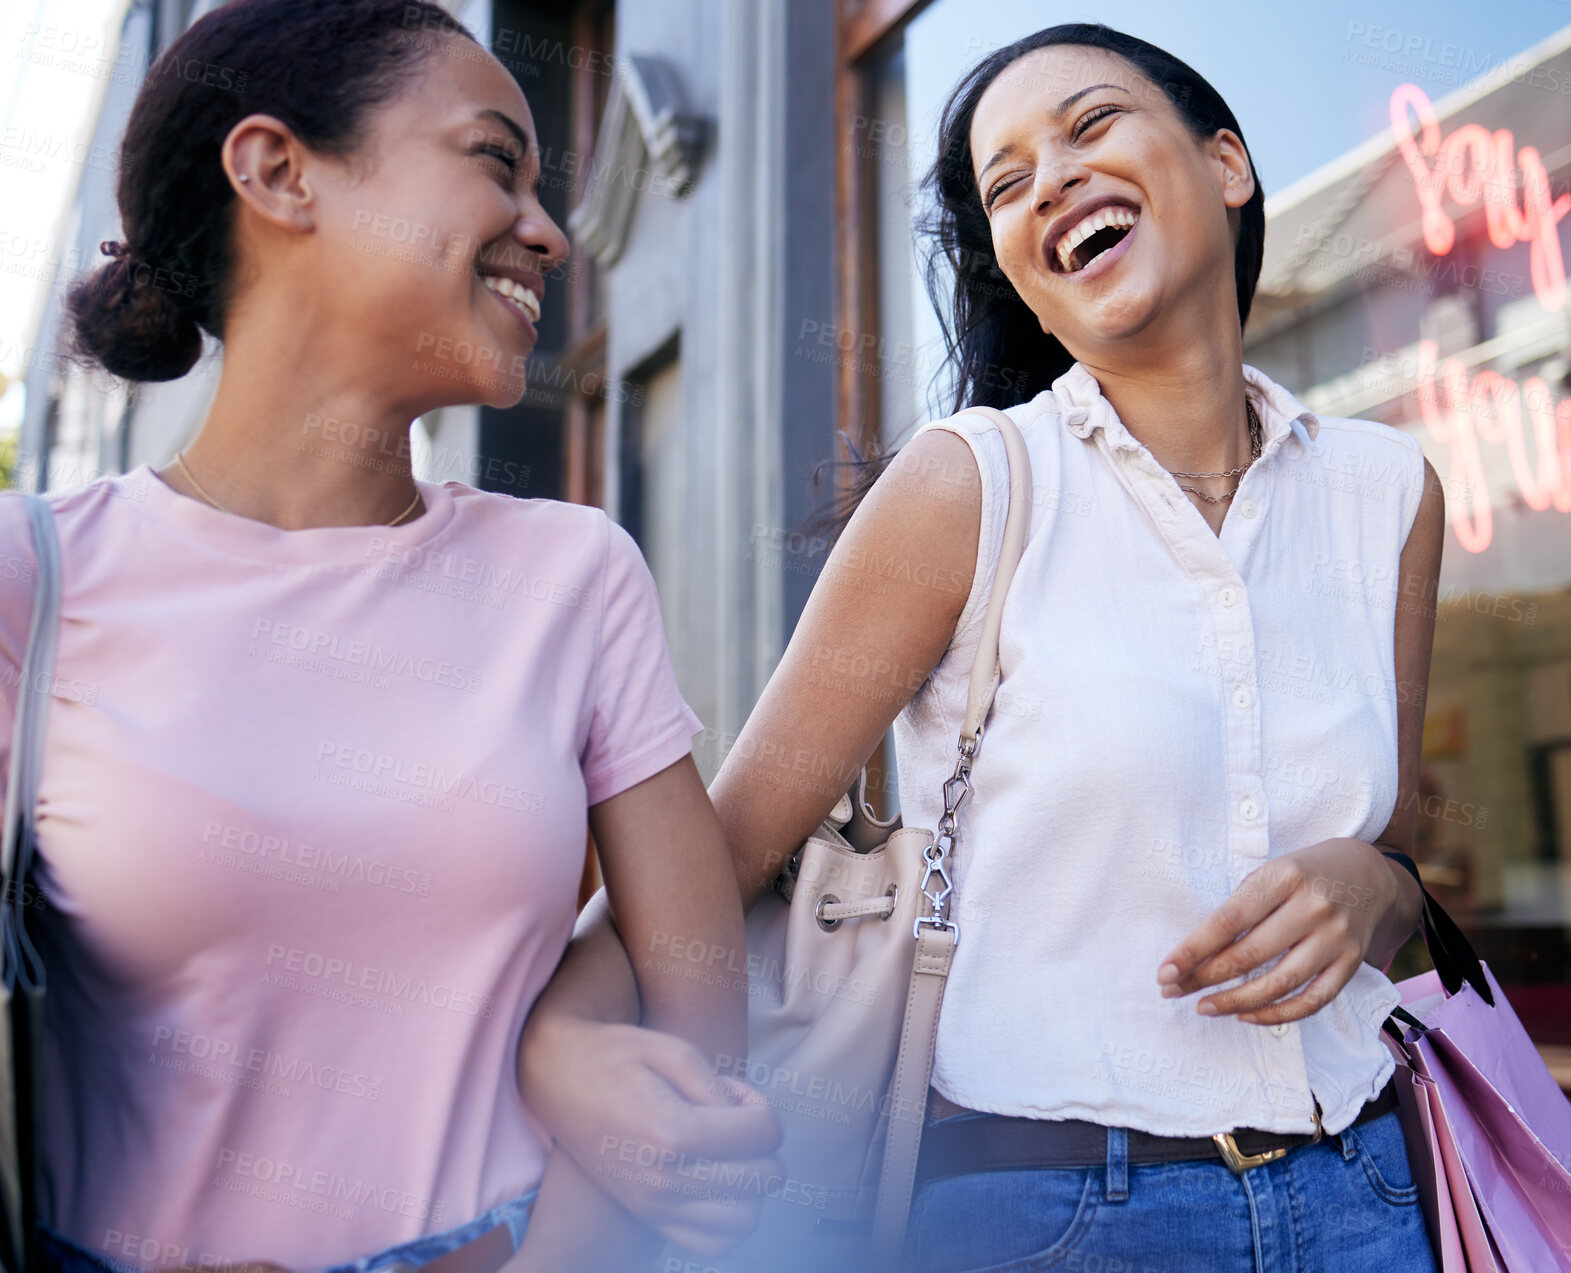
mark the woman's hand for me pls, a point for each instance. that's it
(1321, 909)
(649, 1121)
(604, 1087)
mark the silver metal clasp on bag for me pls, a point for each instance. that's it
(937, 854)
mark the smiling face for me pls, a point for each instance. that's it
(1110, 218)
(433, 237)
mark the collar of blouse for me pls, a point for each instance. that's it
(1083, 410)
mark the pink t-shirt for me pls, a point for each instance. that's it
(312, 819)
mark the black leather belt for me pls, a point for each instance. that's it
(994, 1142)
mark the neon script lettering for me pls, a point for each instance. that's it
(1473, 164)
(1460, 411)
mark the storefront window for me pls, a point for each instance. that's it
(1428, 291)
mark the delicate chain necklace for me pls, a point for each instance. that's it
(200, 490)
(1256, 439)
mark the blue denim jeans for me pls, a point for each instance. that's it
(1345, 1205)
(66, 1256)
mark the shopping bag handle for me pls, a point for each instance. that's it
(1453, 955)
(1399, 1013)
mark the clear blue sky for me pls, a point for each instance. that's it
(1286, 67)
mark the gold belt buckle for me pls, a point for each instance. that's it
(1239, 1163)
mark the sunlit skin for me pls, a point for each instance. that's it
(356, 295)
(1158, 328)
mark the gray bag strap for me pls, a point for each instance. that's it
(32, 699)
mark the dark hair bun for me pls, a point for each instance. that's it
(133, 326)
(320, 66)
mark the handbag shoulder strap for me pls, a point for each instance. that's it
(32, 700)
(858, 823)
(935, 942)
(1017, 528)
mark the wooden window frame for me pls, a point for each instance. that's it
(865, 29)
(583, 451)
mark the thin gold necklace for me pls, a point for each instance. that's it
(1256, 441)
(202, 491)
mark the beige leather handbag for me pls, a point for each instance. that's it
(847, 960)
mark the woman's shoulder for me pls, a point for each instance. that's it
(552, 524)
(1365, 473)
(1331, 437)
(73, 499)
(1348, 458)
(70, 509)
(578, 545)
(1030, 417)
(978, 426)
(1369, 460)
(1339, 434)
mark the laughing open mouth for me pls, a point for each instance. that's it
(1083, 242)
(511, 290)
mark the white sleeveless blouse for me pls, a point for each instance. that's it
(1176, 707)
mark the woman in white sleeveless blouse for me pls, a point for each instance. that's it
(1171, 883)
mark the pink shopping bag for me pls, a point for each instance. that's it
(1488, 1129)
(1455, 1228)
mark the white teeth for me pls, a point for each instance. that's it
(523, 296)
(1086, 227)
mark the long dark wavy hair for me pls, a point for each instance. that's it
(995, 351)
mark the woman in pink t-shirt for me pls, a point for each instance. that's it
(326, 741)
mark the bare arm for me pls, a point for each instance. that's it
(1415, 639)
(574, 1224)
(880, 618)
(669, 879)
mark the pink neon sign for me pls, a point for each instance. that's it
(1473, 165)
(1460, 411)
